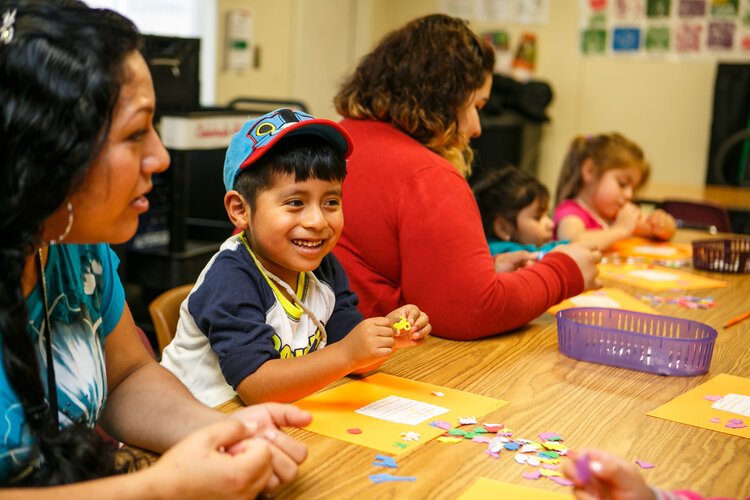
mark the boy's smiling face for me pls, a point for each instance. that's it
(295, 224)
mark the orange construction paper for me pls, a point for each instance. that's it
(693, 409)
(333, 411)
(656, 278)
(604, 297)
(641, 247)
(489, 488)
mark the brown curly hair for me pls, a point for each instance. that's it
(608, 151)
(417, 79)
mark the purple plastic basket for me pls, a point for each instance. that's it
(724, 256)
(639, 341)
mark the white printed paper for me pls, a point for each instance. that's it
(401, 410)
(654, 250)
(595, 301)
(735, 403)
(652, 275)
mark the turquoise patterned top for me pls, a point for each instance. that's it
(86, 301)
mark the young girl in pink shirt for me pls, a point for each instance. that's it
(595, 191)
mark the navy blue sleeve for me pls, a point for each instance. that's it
(229, 306)
(345, 313)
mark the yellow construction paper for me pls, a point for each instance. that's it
(604, 297)
(693, 409)
(333, 411)
(641, 247)
(656, 278)
(484, 488)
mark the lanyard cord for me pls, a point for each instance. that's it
(282, 283)
(47, 334)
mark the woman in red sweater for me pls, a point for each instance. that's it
(413, 232)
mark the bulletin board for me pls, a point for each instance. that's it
(665, 28)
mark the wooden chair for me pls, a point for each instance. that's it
(165, 312)
(699, 215)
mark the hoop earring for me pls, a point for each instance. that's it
(65, 233)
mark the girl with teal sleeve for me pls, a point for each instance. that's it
(514, 205)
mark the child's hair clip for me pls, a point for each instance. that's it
(403, 324)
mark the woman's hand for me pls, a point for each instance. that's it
(200, 467)
(609, 477)
(286, 452)
(510, 261)
(586, 257)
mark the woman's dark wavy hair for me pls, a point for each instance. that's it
(60, 79)
(303, 156)
(504, 193)
(417, 79)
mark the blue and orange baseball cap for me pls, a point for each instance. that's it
(258, 136)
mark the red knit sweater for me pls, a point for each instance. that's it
(413, 234)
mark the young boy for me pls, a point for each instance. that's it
(273, 296)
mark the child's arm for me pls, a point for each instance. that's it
(572, 228)
(598, 474)
(286, 380)
(659, 224)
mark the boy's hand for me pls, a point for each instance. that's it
(369, 342)
(419, 325)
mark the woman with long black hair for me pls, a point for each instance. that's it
(78, 150)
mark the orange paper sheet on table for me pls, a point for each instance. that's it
(489, 488)
(656, 278)
(641, 247)
(693, 409)
(333, 411)
(613, 298)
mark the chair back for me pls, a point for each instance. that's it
(165, 312)
(699, 215)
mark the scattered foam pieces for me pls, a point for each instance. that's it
(449, 439)
(438, 394)
(716, 420)
(384, 461)
(495, 445)
(645, 465)
(511, 446)
(457, 432)
(441, 424)
(735, 423)
(467, 420)
(549, 473)
(550, 466)
(712, 397)
(493, 427)
(400, 445)
(686, 301)
(533, 475)
(354, 430)
(529, 448)
(389, 478)
(562, 481)
(411, 436)
(550, 436)
(533, 461)
(554, 446)
(481, 439)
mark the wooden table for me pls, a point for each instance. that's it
(732, 197)
(587, 404)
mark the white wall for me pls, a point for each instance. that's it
(307, 46)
